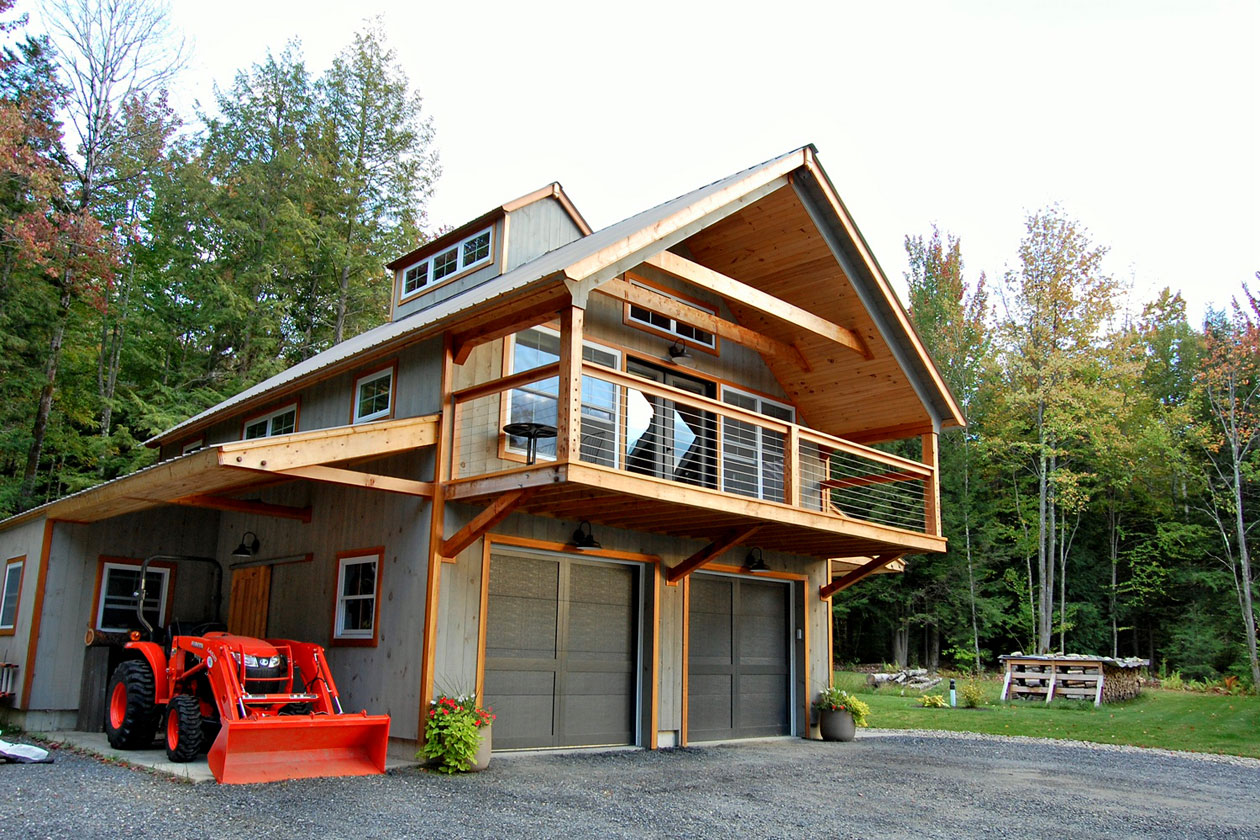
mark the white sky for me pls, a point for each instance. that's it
(1138, 117)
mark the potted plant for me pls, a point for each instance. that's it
(839, 714)
(457, 734)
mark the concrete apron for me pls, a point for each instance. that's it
(195, 771)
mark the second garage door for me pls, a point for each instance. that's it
(739, 672)
(562, 651)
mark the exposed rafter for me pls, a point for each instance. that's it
(325, 446)
(707, 321)
(354, 478)
(302, 514)
(732, 289)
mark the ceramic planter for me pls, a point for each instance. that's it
(482, 760)
(836, 726)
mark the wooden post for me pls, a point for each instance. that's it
(569, 393)
(792, 466)
(932, 488)
(437, 529)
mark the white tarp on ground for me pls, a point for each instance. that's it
(24, 753)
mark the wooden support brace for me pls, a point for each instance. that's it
(878, 562)
(495, 513)
(707, 553)
(371, 481)
(302, 514)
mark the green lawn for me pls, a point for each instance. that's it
(1176, 720)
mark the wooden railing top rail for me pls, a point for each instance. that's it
(921, 470)
(507, 383)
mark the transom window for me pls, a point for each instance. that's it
(536, 402)
(373, 395)
(467, 254)
(752, 456)
(12, 590)
(672, 326)
(120, 587)
(280, 422)
(358, 584)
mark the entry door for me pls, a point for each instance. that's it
(739, 673)
(562, 651)
(251, 595)
(667, 439)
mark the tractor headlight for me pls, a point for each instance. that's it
(251, 661)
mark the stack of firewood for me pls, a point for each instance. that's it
(915, 679)
(1121, 679)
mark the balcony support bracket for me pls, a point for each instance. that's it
(878, 562)
(713, 549)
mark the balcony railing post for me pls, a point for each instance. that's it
(932, 486)
(569, 393)
(792, 466)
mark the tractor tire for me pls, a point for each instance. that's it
(183, 728)
(131, 717)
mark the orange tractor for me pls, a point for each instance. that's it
(263, 710)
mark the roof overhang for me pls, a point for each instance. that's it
(215, 477)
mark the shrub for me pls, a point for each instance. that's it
(971, 694)
(933, 701)
(451, 733)
(836, 699)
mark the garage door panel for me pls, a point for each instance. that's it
(575, 620)
(522, 702)
(738, 658)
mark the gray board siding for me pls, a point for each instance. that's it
(70, 586)
(25, 540)
(537, 228)
(518, 278)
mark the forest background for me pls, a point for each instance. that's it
(152, 263)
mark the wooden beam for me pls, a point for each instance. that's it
(492, 515)
(302, 514)
(704, 555)
(878, 562)
(569, 394)
(530, 312)
(707, 321)
(732, 289)
(437, 527)
(324, 446)
(371, 481)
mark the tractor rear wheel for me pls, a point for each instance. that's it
(131, 717)
(183, 728)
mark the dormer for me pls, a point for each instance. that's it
(484, 248)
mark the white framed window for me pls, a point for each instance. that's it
(11, 593)
(192, 446)
(374, 395)
(671, 326)
(752, 456)
(120, 587)
(536, 402)
(358, 587)
(279, 422)
(469, 253)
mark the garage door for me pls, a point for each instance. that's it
(739, 674)
(562, 651)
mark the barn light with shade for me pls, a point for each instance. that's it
(248, 547)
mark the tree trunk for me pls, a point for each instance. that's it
(46, 393)
(343, 294)
(971, 576)
(901, 645)
(1244, 562)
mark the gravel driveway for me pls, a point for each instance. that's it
(885, 784)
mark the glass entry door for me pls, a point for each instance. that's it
(668, 439)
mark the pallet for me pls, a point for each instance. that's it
(1049, 677)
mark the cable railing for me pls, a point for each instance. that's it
(640, 427)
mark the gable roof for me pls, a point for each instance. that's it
(612, 250)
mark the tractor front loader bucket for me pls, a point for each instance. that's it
(269, 749)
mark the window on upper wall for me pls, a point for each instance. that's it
(671, 326)
(358, 588)
(10, 593)
(192, 446)
(280, 422)
(115, 607)
(752, 455)
(374, 395)
(469, 253)
(536, 402)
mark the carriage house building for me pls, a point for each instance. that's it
(609, 481)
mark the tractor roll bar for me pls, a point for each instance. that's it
(179, 558)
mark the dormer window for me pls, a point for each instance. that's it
(280, 422)
(469, 253)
